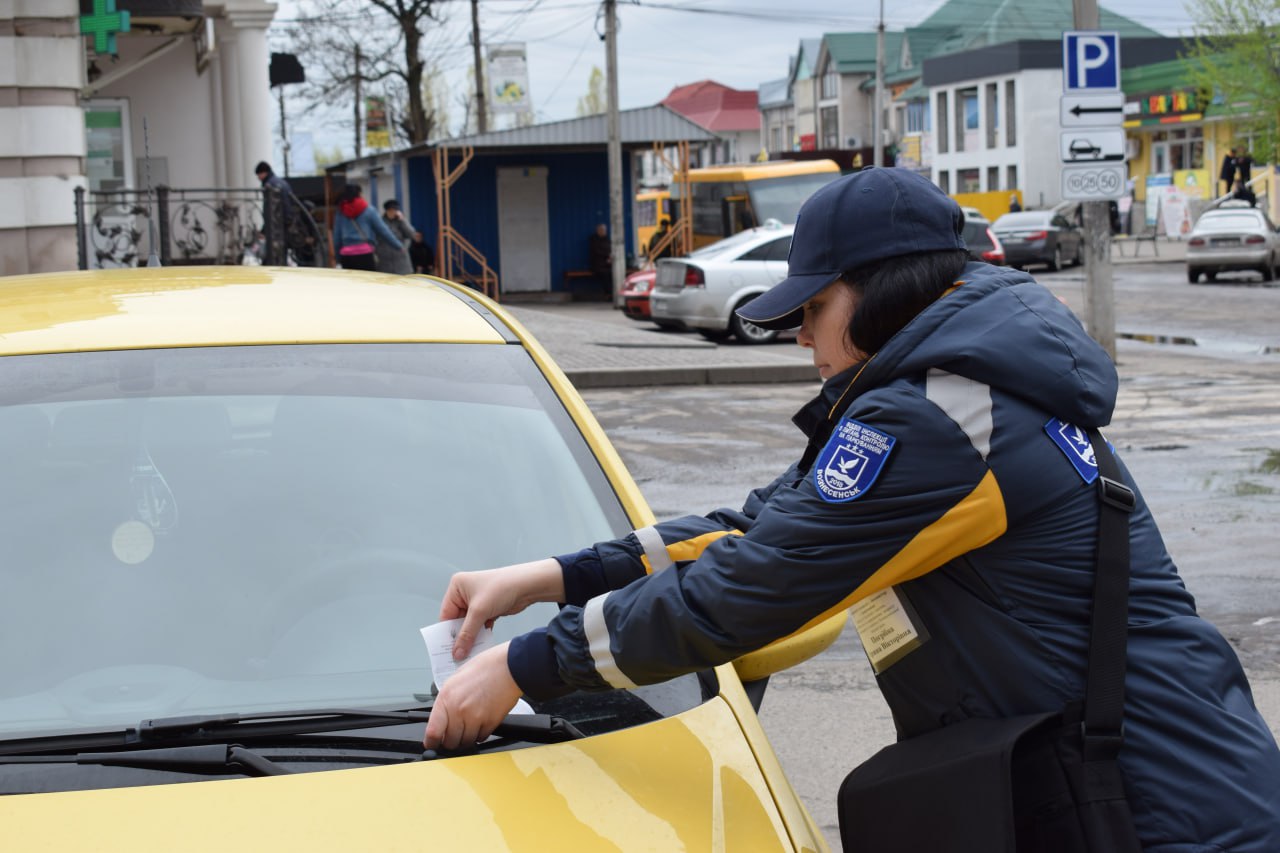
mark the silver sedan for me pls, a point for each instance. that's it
(1232, 238)
(703, 290)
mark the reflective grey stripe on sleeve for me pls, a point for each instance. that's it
(654, 548)
(593, 625)
(966, 402)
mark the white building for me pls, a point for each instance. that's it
(195, 72)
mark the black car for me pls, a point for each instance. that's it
(1039, 237)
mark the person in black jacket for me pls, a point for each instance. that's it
(946, 494)
(600, 258)
(1227, 173)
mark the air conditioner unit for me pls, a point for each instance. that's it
(853, 142)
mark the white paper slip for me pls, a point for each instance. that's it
(439, 639)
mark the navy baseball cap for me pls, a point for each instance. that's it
(866, 216)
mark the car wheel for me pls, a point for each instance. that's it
(715, 334)
(1268, 270)
(1211, 276)
(1055, 263)
(1193, 275)
(747, 332)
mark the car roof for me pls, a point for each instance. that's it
(744, 240)
(216, 306)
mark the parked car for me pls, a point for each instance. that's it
(702, 291)
(635, 294)
(981, 241)
(1039, 237)
(635, 298)
(1232, 237)
(232, 497)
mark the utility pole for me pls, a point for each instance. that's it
(357, 101)
(616, 227)
(482, 113)
(877, 132)
(1099, 290)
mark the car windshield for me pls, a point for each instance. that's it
(1028, 219)
(265, 528)
(1229, 221)
(780, 198)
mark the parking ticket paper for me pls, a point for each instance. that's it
(439, 639)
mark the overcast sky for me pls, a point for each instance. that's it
(661, 44)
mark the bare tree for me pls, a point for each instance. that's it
(369, 46)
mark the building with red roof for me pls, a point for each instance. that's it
(731, 114)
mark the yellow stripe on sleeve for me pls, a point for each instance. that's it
(979, 518)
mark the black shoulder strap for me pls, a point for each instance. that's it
(1104, 693)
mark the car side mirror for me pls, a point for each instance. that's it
(792, 649)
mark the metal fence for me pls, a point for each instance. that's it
(260, 225)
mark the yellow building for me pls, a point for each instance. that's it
(1177, 142)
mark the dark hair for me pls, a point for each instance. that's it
(350, 192)
(894, 290)
(263, 166)
(390, 204)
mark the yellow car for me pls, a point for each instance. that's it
(231, 499)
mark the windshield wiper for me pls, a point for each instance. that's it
(204, 757)
(539, 728)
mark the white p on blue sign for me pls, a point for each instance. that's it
(1090, 61)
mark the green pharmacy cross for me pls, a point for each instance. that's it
(103, 24)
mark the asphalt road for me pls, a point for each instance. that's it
(1198, 424)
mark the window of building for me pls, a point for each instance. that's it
(1173, 150)
(992, 97)
(968, 181)
(943, 133)
(967, 120)
(829, 118)
(830, 84)
(775, 138)
(916, 114)
(1011, 178)
(1010, 112)
(790, 138)
(993, 178)
(944, 181)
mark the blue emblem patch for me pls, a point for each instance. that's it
(1074, 442)
(851, 461)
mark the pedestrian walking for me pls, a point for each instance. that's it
(391, 259)
(948, 479)
(356, 227)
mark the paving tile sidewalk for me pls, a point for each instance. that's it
(598, 346)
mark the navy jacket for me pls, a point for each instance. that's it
(948, 467)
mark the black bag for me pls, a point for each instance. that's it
(1042, 783)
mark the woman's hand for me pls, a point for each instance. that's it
(472, 702)
(479, 598)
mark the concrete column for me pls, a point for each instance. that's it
(249, 19)
(232, 111)
(42, 137)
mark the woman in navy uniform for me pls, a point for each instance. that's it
(946, 475)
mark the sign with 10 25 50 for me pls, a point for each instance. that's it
(1092, 141)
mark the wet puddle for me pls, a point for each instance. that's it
(1211, 344)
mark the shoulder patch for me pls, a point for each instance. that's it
(851, 461)
(1074, 443)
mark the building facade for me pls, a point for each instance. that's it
(177, 96)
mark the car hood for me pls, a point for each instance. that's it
(689, 782)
